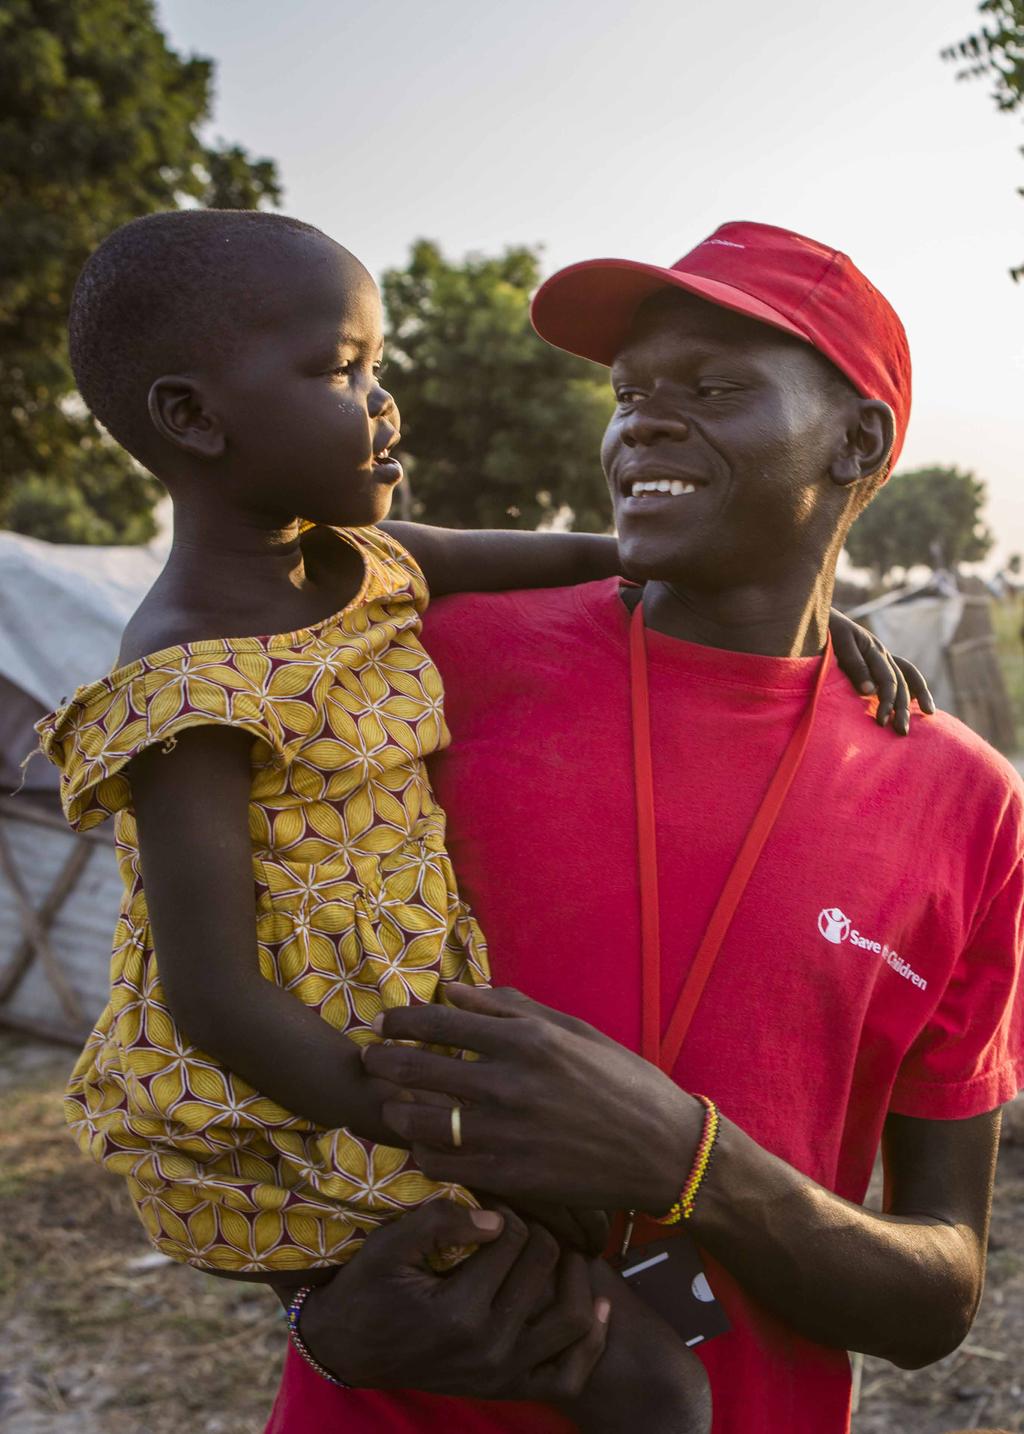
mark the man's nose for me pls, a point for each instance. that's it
(645, 426)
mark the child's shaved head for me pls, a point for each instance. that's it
(163, 294)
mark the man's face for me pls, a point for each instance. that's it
(739, 423)
(304, 411)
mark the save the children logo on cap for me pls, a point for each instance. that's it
(834, 925)
(837, 927)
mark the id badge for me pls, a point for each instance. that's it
(668, 1275)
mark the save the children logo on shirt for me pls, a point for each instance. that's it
(834, 925)
(837, 927)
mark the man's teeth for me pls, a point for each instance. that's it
(675, 486)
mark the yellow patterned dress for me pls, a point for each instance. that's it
(357, 909)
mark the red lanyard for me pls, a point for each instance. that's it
(664, 1051)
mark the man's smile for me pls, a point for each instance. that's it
(675, 486)
(646, 480)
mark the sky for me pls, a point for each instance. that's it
(600, 127)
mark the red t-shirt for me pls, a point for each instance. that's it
(873, 964)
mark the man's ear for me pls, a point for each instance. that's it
(867, 444)
(179, 414)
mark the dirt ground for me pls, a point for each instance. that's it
(103, 1337)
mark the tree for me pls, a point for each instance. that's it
(502, 429)
(996, 51)
(930, 516)
(99, 123)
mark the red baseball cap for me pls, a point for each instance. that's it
(769, 274)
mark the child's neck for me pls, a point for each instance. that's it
(256, 576)
(260, 553)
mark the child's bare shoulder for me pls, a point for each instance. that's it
(164, 619)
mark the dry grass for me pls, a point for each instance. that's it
(100, 1340)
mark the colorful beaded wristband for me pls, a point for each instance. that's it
(294, 1310)
(683, 1208)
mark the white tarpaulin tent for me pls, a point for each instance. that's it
(919, 624)
(62, 611)
(945, 628)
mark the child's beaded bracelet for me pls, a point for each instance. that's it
(683, 1208)
(294, 1310)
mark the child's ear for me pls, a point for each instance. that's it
(867, 443)
(180, 415)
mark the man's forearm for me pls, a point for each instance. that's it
(901, 1287)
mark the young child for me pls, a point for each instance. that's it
(261, 744)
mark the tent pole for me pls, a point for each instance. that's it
(67, 879)
(36, 933)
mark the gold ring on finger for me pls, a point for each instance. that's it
(456, 1114)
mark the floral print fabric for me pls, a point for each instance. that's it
(357, 910)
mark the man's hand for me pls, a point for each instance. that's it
(554, 1110)
(583, 1230)
(517, 1320)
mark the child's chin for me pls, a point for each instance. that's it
(383, 504)
(373, 509)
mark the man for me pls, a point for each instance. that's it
(864, 983)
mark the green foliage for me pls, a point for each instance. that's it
(99, 123)
(107, 500)
(930, 516)
(234, 181)
(996, 51)
(502, 429)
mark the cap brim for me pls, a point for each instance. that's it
(588, 308)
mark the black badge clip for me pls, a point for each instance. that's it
(668, 1275)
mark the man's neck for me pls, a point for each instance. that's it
(770, 623)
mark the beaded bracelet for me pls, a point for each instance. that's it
(294, 1310)
(683, 1208)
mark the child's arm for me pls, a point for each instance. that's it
(495, 560)
(464, 560)
(646, 1378)
(871, 668)
(192, 809)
